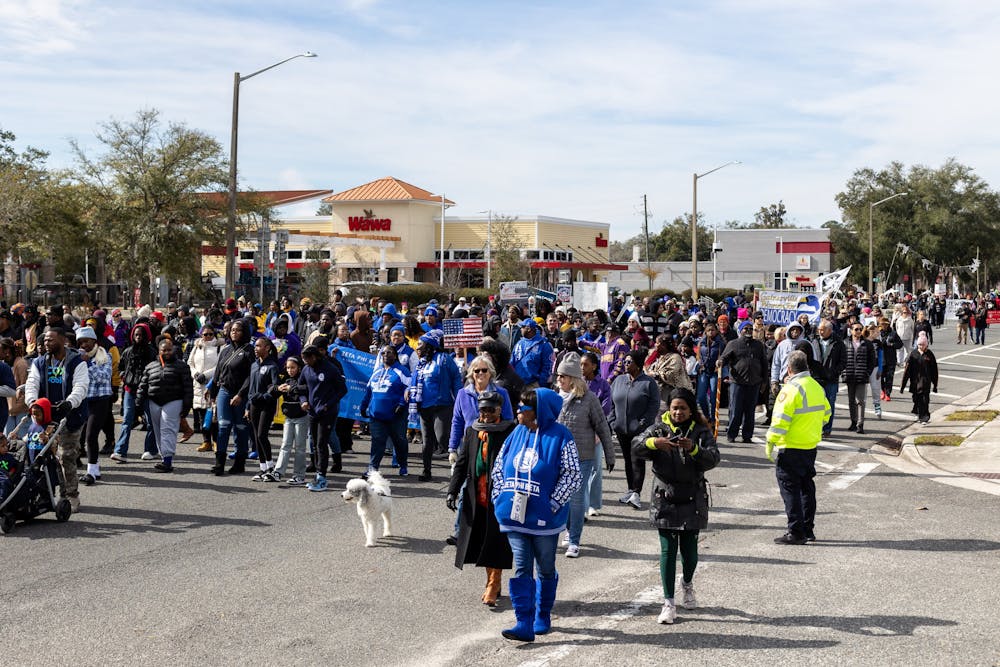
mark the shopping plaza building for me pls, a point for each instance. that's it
(391, 231)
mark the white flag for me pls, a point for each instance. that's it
(832, 281)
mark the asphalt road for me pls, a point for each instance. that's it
(192, 569)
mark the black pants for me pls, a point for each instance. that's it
(319, 430)
(261, 419)
(635, 469)
(109, 421)
(922, 405)
(435, 425)
(345, 433)
(795, 471)
(742, 409)
(888, 372)
(99, 409)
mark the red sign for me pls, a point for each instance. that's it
(601, 242)
(993, 316)
(359, 224)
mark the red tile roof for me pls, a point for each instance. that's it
(385, 189)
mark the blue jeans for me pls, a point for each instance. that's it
(831, 396)
(382, 431)
(707, 384)
(578, 503)
(596, 480)
(231, 418)
(531, 549)
(128, 421)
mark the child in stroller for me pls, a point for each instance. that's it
(29, 472)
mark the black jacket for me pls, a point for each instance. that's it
(291, 407)
(746, 359)
(133, 362)
(165, 382)
(836, 359)
(680, 493)
(232, 373)
(921, 372)
(860, 361)
(926, 327)
(263, 376)
(890, 343)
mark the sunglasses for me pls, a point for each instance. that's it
(480, 370)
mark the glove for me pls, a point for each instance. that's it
(61, 410)
(452, 457)
(611, 466)
(200, 378)
(451, 502)
(769, 449)
(935, 390)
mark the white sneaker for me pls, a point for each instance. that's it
(592, 512)
(565, 541)
(573, 551)
(667, 614)
(690, 601)
(625, 497)
(146, 456)
(634, 500)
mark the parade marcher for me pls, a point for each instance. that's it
(131, 366)
(325, 387)
(433, 391)
(480, 377)
(262, 404)
(202, 361)
(165, 393)
(747, 362)
(532, 356)
(890, 345)
(859, 360)
(635, 403)
(479, 540)
(534, 477)
(921, 373)
(681, 449)
(665, 365)
(505, 375)
(923, 324)
(98, 398)
(903, 324)
(875, 377)
(384, 403)
(295, 430)
(982, 322)
(230, 387)
(589, 364)
(831, 355)
(60, 374)
(709, 350)
(583, 415)
(800, 411)
(964, 316)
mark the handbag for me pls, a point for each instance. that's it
(207, 423)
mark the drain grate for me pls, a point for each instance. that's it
(983, 475)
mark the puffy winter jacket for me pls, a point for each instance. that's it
(166, 381)
(859, 361)
(680, 492)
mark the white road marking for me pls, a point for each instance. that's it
(985, 356)
(886, 414)
(976, 366)
(991, 346)
(845, 480)
(957, 377)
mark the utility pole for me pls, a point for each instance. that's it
(977, 270)
(645, 226)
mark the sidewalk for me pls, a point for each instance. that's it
(973, 465)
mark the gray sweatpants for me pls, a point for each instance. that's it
(166, 420)
(295, 433)
(857, 394)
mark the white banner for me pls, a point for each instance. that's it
(832, 281)
(588, 297)
(783, 308)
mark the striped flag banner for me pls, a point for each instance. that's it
(462, 332)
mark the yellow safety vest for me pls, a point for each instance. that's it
(800, 411)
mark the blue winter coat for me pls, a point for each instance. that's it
(441, 378)
(467, 411)
(325, 386)
(532, 360)
(542, 463)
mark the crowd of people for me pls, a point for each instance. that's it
(529, 419)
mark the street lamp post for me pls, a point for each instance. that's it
(871, 209)
(441, 257)
(694, 227)
(231, 218)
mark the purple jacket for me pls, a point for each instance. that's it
(467, 411)
(602, 390)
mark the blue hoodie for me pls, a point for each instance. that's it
(384, 392)
(388, 309)
(325, 387)
(545, 464)
(441, 379)
(532, 359)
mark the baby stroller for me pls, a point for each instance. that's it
(33, 492)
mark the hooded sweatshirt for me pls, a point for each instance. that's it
(544, 464)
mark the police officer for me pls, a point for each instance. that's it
(800, 412)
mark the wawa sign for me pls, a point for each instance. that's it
(368, 223)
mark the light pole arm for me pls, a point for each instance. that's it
(307, 54)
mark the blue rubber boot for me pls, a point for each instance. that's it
(546, 597)
(522, 598)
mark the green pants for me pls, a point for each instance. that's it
(687, 540)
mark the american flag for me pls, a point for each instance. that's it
(464, 332)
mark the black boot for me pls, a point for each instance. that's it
(239, 465)
(336, 464)
(219, 469)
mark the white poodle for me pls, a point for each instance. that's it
(373, 498)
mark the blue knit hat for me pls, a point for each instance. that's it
(434, 338)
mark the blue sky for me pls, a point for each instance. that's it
(570, 109)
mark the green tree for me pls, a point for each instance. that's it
(315, 275)
(23, 177)
(325, 208)
(145, 196)
(946, 214)
(673, 243)
(770, 217)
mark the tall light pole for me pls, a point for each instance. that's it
(871, 208)
(694, 227)
(231, 219)
(489, 247)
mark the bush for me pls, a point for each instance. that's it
(420, 294)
